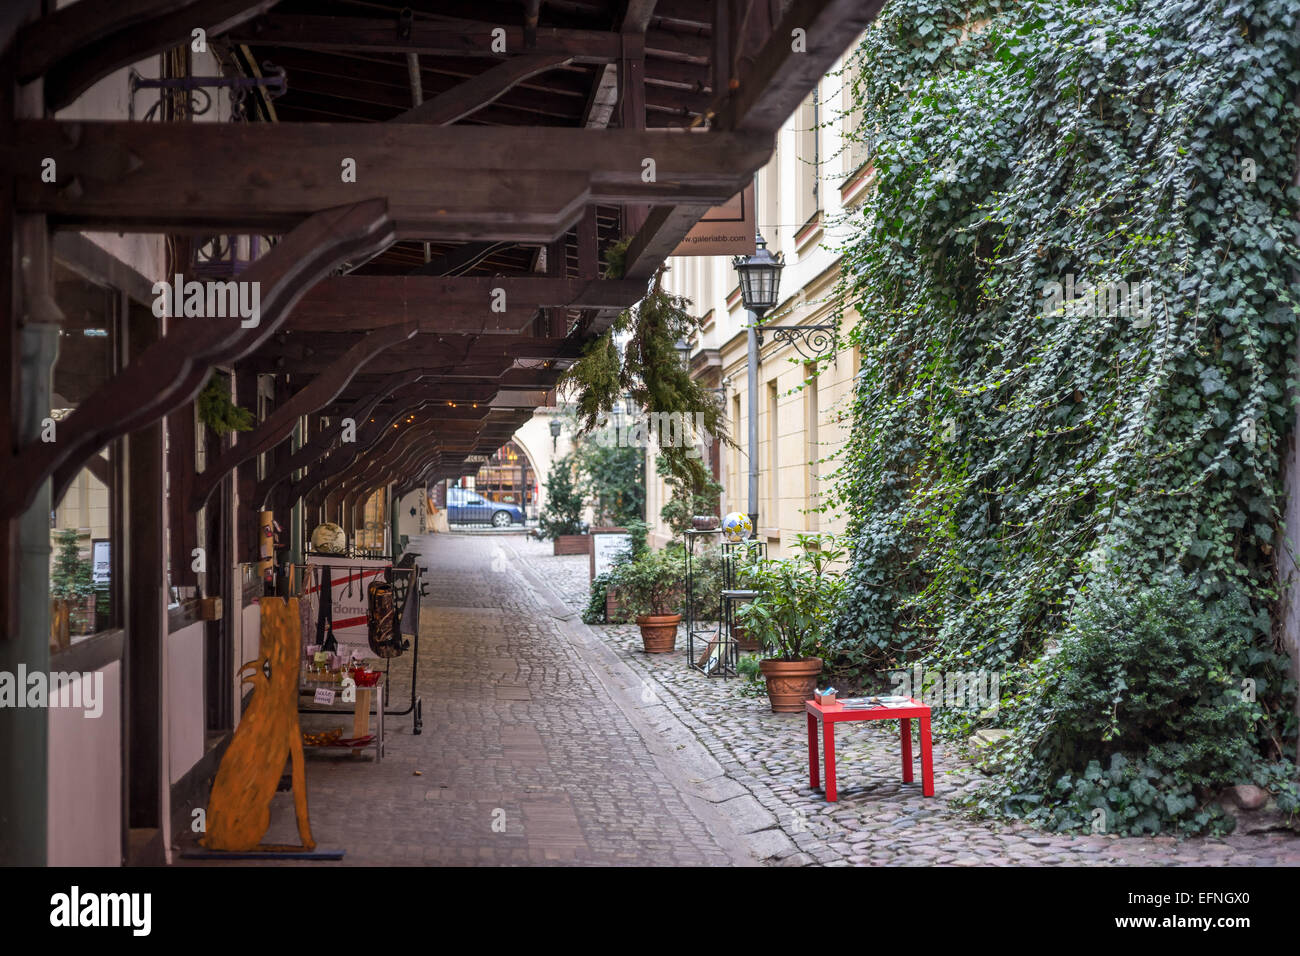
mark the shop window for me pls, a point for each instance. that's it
(84, 523)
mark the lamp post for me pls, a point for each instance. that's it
(760, 283)
(556, 428)
(684, 350)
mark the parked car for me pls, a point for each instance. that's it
(469, 507)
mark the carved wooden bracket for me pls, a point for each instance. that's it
(321, 442)
(278, 425)
(170, 373)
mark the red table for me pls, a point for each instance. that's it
(833, 714)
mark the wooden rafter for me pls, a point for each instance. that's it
(170, 373)
(453, 182)
(433, 38)
(277, 426)
(474, 94)
(79, 44)
(499, 304)
(775, 83)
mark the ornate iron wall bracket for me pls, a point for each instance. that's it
(810, 341)
(274, 84)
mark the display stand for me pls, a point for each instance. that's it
(361, 735)
(405, 579)
(711, 646)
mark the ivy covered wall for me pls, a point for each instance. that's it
(1077, 281)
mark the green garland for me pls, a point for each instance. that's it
(1018, 460)
(651, 371)
(219, 413)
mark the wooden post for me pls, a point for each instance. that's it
(631, 81)
(145, 579)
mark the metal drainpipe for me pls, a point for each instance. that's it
(753, 421)
(24, 811)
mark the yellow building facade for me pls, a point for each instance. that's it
(805, 200)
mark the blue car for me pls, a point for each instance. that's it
(469, 507)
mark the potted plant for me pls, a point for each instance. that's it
(72, 582)
(650, 587)
(561, 521)
(790, 616)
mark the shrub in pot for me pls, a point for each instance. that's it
(561, 520)
(790, 616)
(650, 587)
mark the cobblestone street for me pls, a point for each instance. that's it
(525, 757)
(753, 765)
(547, 741)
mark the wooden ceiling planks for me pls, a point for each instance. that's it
(470, 204)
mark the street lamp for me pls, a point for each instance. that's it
(760, 277)
(556, 428)
(684, 350)
(760, 286)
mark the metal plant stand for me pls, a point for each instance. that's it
(710, 642)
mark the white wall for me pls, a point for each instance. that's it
(534, 437)
(185, 717)
(249, 641)
(409, 524)
(85, 781)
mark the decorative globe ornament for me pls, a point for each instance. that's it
(736, 527)
(328, 538)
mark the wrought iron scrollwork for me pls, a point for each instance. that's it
(810, 341)
(195, 89)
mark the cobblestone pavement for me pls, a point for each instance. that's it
(526, 757)
(754, 768)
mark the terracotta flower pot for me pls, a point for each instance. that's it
(659, 632)
(743, 641)
(790, 683)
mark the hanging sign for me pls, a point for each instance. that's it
(726, 230)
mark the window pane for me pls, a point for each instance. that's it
(82, 582)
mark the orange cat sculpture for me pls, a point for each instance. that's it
(239, 809)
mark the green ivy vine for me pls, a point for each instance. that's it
(1031, 446)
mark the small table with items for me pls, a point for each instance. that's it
(361, 736)
(862, 709)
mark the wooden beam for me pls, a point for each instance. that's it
(436, 38)
(474, 94)
(636, 19)
(663, 231)
(476, 304)
(771, 87)
(444, 356)
(79, 44)
(453, 182)
(321, 440)
(277, 426)
(171, 372)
